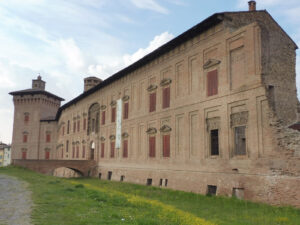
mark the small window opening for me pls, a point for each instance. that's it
(166, 182)
(122, 178)
(160, 182)
(149, 181)
(211, 190)
(240, 140)
(214, 142)
(99, 176)
(238, 193)
(109, 175)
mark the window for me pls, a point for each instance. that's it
(149, 182)
(211, 190)
(73, 152)
(113, 114)
(24, 155)
(240, 140)
(47, 155)
(62, 153)
(78, 125)
(99, 176)
(152, 146)
(63, 130)
(212, 83)
(152, 101)
(166, 145)
(122, 178)
(103, 118)
(77, 152)
(166, 98)
(109, 175)
(74, 126)
(68, 127)
(83, 151)
(48, 137)
(93, 125)
(214, 142)
(25, 138)
(125, 148)
(93, 118)
(67, 146)
(112, 149)
(26, 118)
(102, 150)
(84, 124)
(126, 110)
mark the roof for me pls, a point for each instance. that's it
(32, 91)
(187, 35)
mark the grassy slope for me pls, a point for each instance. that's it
(90, 201)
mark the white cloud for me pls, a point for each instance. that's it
(150, 5)
(72, 54)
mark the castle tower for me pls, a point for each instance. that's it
(32, 106)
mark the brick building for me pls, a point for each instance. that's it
(208, 111)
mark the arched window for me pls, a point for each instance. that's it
(93, 118)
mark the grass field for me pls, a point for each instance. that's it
(91, 201)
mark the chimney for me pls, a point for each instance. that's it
(91, 82)
(252, 6)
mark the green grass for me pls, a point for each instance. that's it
(91, 201)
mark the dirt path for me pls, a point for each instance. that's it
(15, 202)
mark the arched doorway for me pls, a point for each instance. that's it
(92, 150)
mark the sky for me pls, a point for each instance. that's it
(67, 40)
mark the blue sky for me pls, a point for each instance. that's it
(67, 40)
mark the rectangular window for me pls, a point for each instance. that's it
(240, 140)
(149, 182)
(78, 125)
(125, 148)
(73, 152)
(122, 178)
(47, 155)
(74, 127)
(126, 110)
(211, 190)
(212, 83)
(103, 118)
(166, 97)
(113, 114)
(152, 146)
(63, 130)
(112, 149)
(83, 151)
(109, 175)
(152, 101)
(67, 146)
(102, 150)
(24, 155)
(62, 153)
(48, 138)
(26, 118)
(214, 142)
(77, 152)
(68, 127)
(93, 125)
(84, 124)
(166, 145)
(24, 138)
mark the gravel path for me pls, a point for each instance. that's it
(15, 202)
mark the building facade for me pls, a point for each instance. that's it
(5, 154)
(207, 112)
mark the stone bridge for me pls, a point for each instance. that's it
(84, 167)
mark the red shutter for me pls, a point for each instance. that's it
(48, 138)
(113, 114)
(24, 155)
(112, 149)
(102, 150)
(78, 125)
(125, 148)
(25, 138)
(152, 107)
(103, 118)
(47, 155)
(166, 97)
(83, 151)
(212, 83)
(126, 109)
(77, 151)
(74, 127)
(166, 145)
(152, 146)
(68, 128)
(62, 153)
(84, 123)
